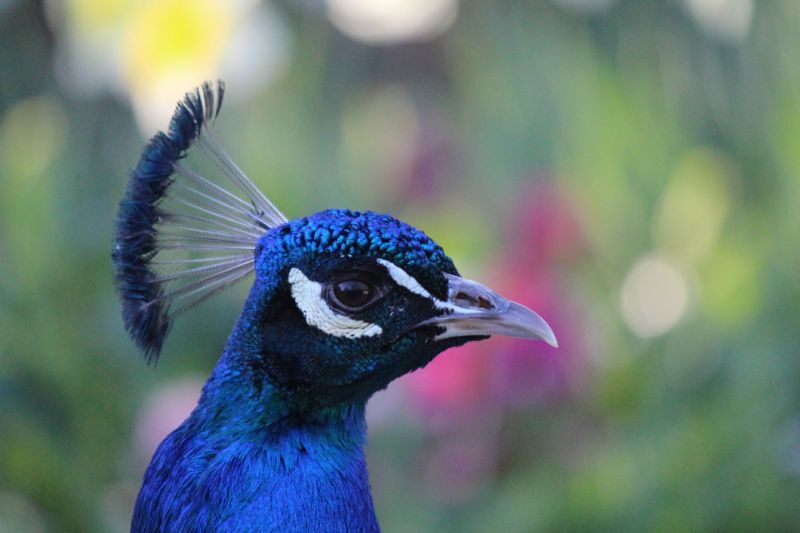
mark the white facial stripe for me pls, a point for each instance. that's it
(402, 278)
(307, 295)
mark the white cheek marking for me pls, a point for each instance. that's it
(307, 295)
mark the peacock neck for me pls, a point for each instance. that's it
(244, 408)
(246, 461)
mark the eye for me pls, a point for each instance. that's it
(352, 294)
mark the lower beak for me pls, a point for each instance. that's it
(473, 309)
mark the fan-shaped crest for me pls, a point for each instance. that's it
(182, 237)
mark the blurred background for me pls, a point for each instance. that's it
(628, 168)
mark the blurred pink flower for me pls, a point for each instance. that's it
(524, 372)
(545, 236)
(544, 229)
(454, 381)
(464, 394)
(163, 411)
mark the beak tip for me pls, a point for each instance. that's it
(550, 338)
(539, 327)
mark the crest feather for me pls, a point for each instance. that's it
(182, 237)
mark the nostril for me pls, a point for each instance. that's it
(463, 297)
(483, 303)
(469, 300)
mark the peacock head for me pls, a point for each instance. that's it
(347, 301)
(343, 301)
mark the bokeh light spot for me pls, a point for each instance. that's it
(727, 19)
(32, 135)
(392, 21)
(654, 296)
(730, 284)
(694, 205)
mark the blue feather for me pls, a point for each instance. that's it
(249, 475)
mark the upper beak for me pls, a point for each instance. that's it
(477, 310)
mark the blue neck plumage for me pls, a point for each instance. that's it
(244, 461)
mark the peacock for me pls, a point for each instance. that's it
(342, 303)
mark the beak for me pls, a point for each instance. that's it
(476, 310)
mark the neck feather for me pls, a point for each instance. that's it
(244, 461)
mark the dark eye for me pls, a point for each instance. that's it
(352, 294)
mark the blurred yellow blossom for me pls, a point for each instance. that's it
(89, 14)
(175, 38)
(153, 51)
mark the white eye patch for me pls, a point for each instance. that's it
(307, 295)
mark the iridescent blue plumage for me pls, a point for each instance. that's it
(343, 302)
(351, 233)
(278, 432)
